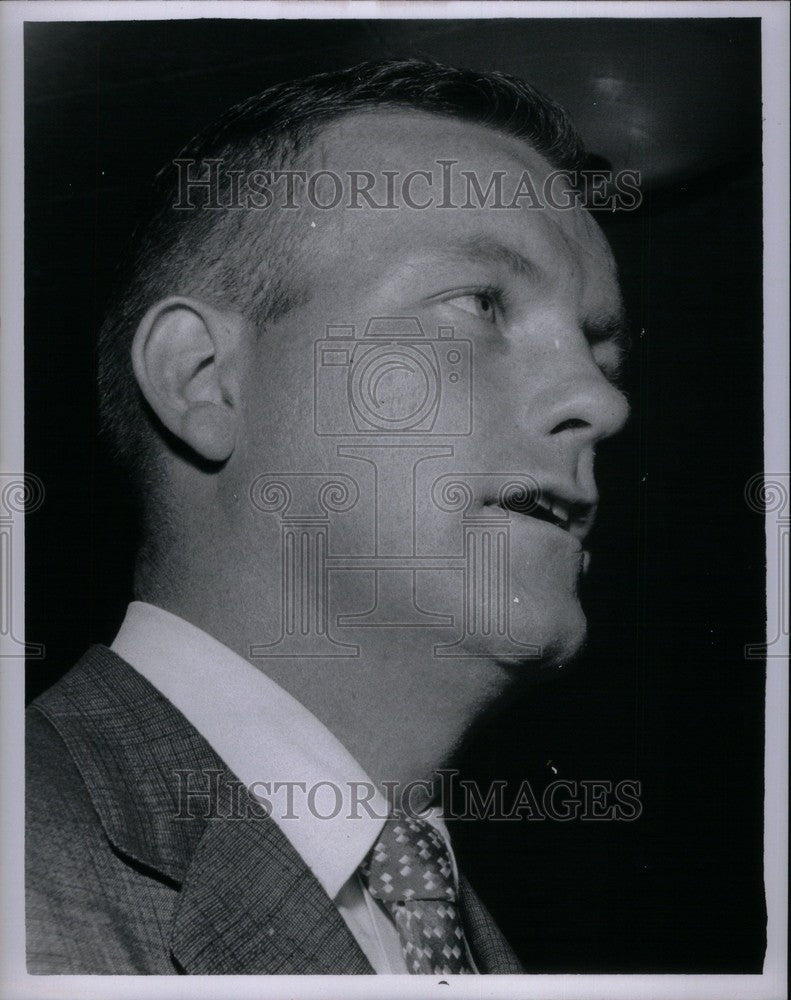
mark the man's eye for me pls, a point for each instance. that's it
(481, 304)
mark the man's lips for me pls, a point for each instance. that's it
(560, 508)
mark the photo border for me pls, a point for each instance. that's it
(16, 984)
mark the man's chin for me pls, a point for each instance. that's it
(559, 634)
(535, 640)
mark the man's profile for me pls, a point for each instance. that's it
(357, 367)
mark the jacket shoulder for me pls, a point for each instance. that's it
(53, 785)
(76, 885)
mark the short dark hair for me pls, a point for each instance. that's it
(218, 254)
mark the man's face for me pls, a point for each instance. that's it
(487, 364)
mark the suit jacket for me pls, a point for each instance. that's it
(121, 878)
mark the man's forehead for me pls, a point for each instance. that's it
(467, 160)
(403, 143)
(407, 139)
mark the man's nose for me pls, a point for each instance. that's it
(585, 404)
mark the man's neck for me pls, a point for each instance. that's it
(401, 712)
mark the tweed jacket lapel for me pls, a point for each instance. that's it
(247, 902)
(493, 954)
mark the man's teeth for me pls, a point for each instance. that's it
(552, 510)
(557, 511)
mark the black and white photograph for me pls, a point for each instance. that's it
(395, 500)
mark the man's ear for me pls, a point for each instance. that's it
(186, 357)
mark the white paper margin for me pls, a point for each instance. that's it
(15, 984)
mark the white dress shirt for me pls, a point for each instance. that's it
(264, 735)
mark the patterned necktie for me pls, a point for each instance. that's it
(410, 871)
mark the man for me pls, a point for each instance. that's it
(357, 368)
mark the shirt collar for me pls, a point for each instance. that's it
(320, 797)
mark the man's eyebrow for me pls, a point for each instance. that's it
(484, 249)
(612, 327)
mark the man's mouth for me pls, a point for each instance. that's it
(574, 515)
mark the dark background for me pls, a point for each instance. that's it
(663, 693)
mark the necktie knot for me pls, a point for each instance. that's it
(409, 861)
